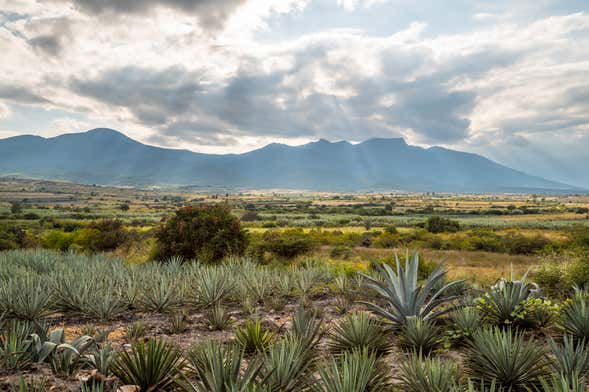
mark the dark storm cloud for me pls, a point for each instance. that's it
(20, 94)
(211, 13)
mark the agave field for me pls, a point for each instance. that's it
(95, 323)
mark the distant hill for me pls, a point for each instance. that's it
(105, 156)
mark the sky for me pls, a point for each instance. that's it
(505, 79)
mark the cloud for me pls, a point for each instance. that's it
(211, 13)
(49, 35)
(4, 111)
(21, 94)
(268, 70)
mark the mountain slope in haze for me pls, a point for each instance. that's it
(106, 156)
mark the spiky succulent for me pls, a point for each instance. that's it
(351, 372)
(220, 367)
(359, 331)
(504, 355)
(574, 318)
(425, 374)
(154, 365)
(420, 335)
(288, 365)
(569, 358)
(253, 337)
(404, 296)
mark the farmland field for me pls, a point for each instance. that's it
(89, 289)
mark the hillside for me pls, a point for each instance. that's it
(106, 156)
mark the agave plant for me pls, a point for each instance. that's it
(402, 294)
(217, 318)
(351, 372)
(505, 356)
(135, 331)
(252, 337)
(465, 322)
(306, 326)
(479, 386)
(425, 374)
(179, 323)
(562, 383)
(43, 344)
(15, 346)
(213, 287)
(102, 359)
(500, 306)
(30, 385)
(25, 298)
(420, 335)
(288, 365)
(152, 366)
(359, 331)
(575, 316)
(571, 359)
(219, 367)
(162, 295)
(68, 358)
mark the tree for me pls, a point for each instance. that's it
(15, 207)
(206, 232)
(436, 224)
(124, 207)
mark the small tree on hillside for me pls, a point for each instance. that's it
(206, 232)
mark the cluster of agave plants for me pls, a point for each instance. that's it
(392, 328)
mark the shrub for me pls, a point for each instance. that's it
(207, 233)
(250, 216)
(505, 356)
(103, 235)
(359, 331)
(58, 240)
(287, 243)
(559, 271)
(437, 224)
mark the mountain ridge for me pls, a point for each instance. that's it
(109, 157)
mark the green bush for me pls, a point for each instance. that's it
(104, 235)
(437, 224)
(560, 271)
(206, 232)
(287, 243)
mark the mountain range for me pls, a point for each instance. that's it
(105, 156)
